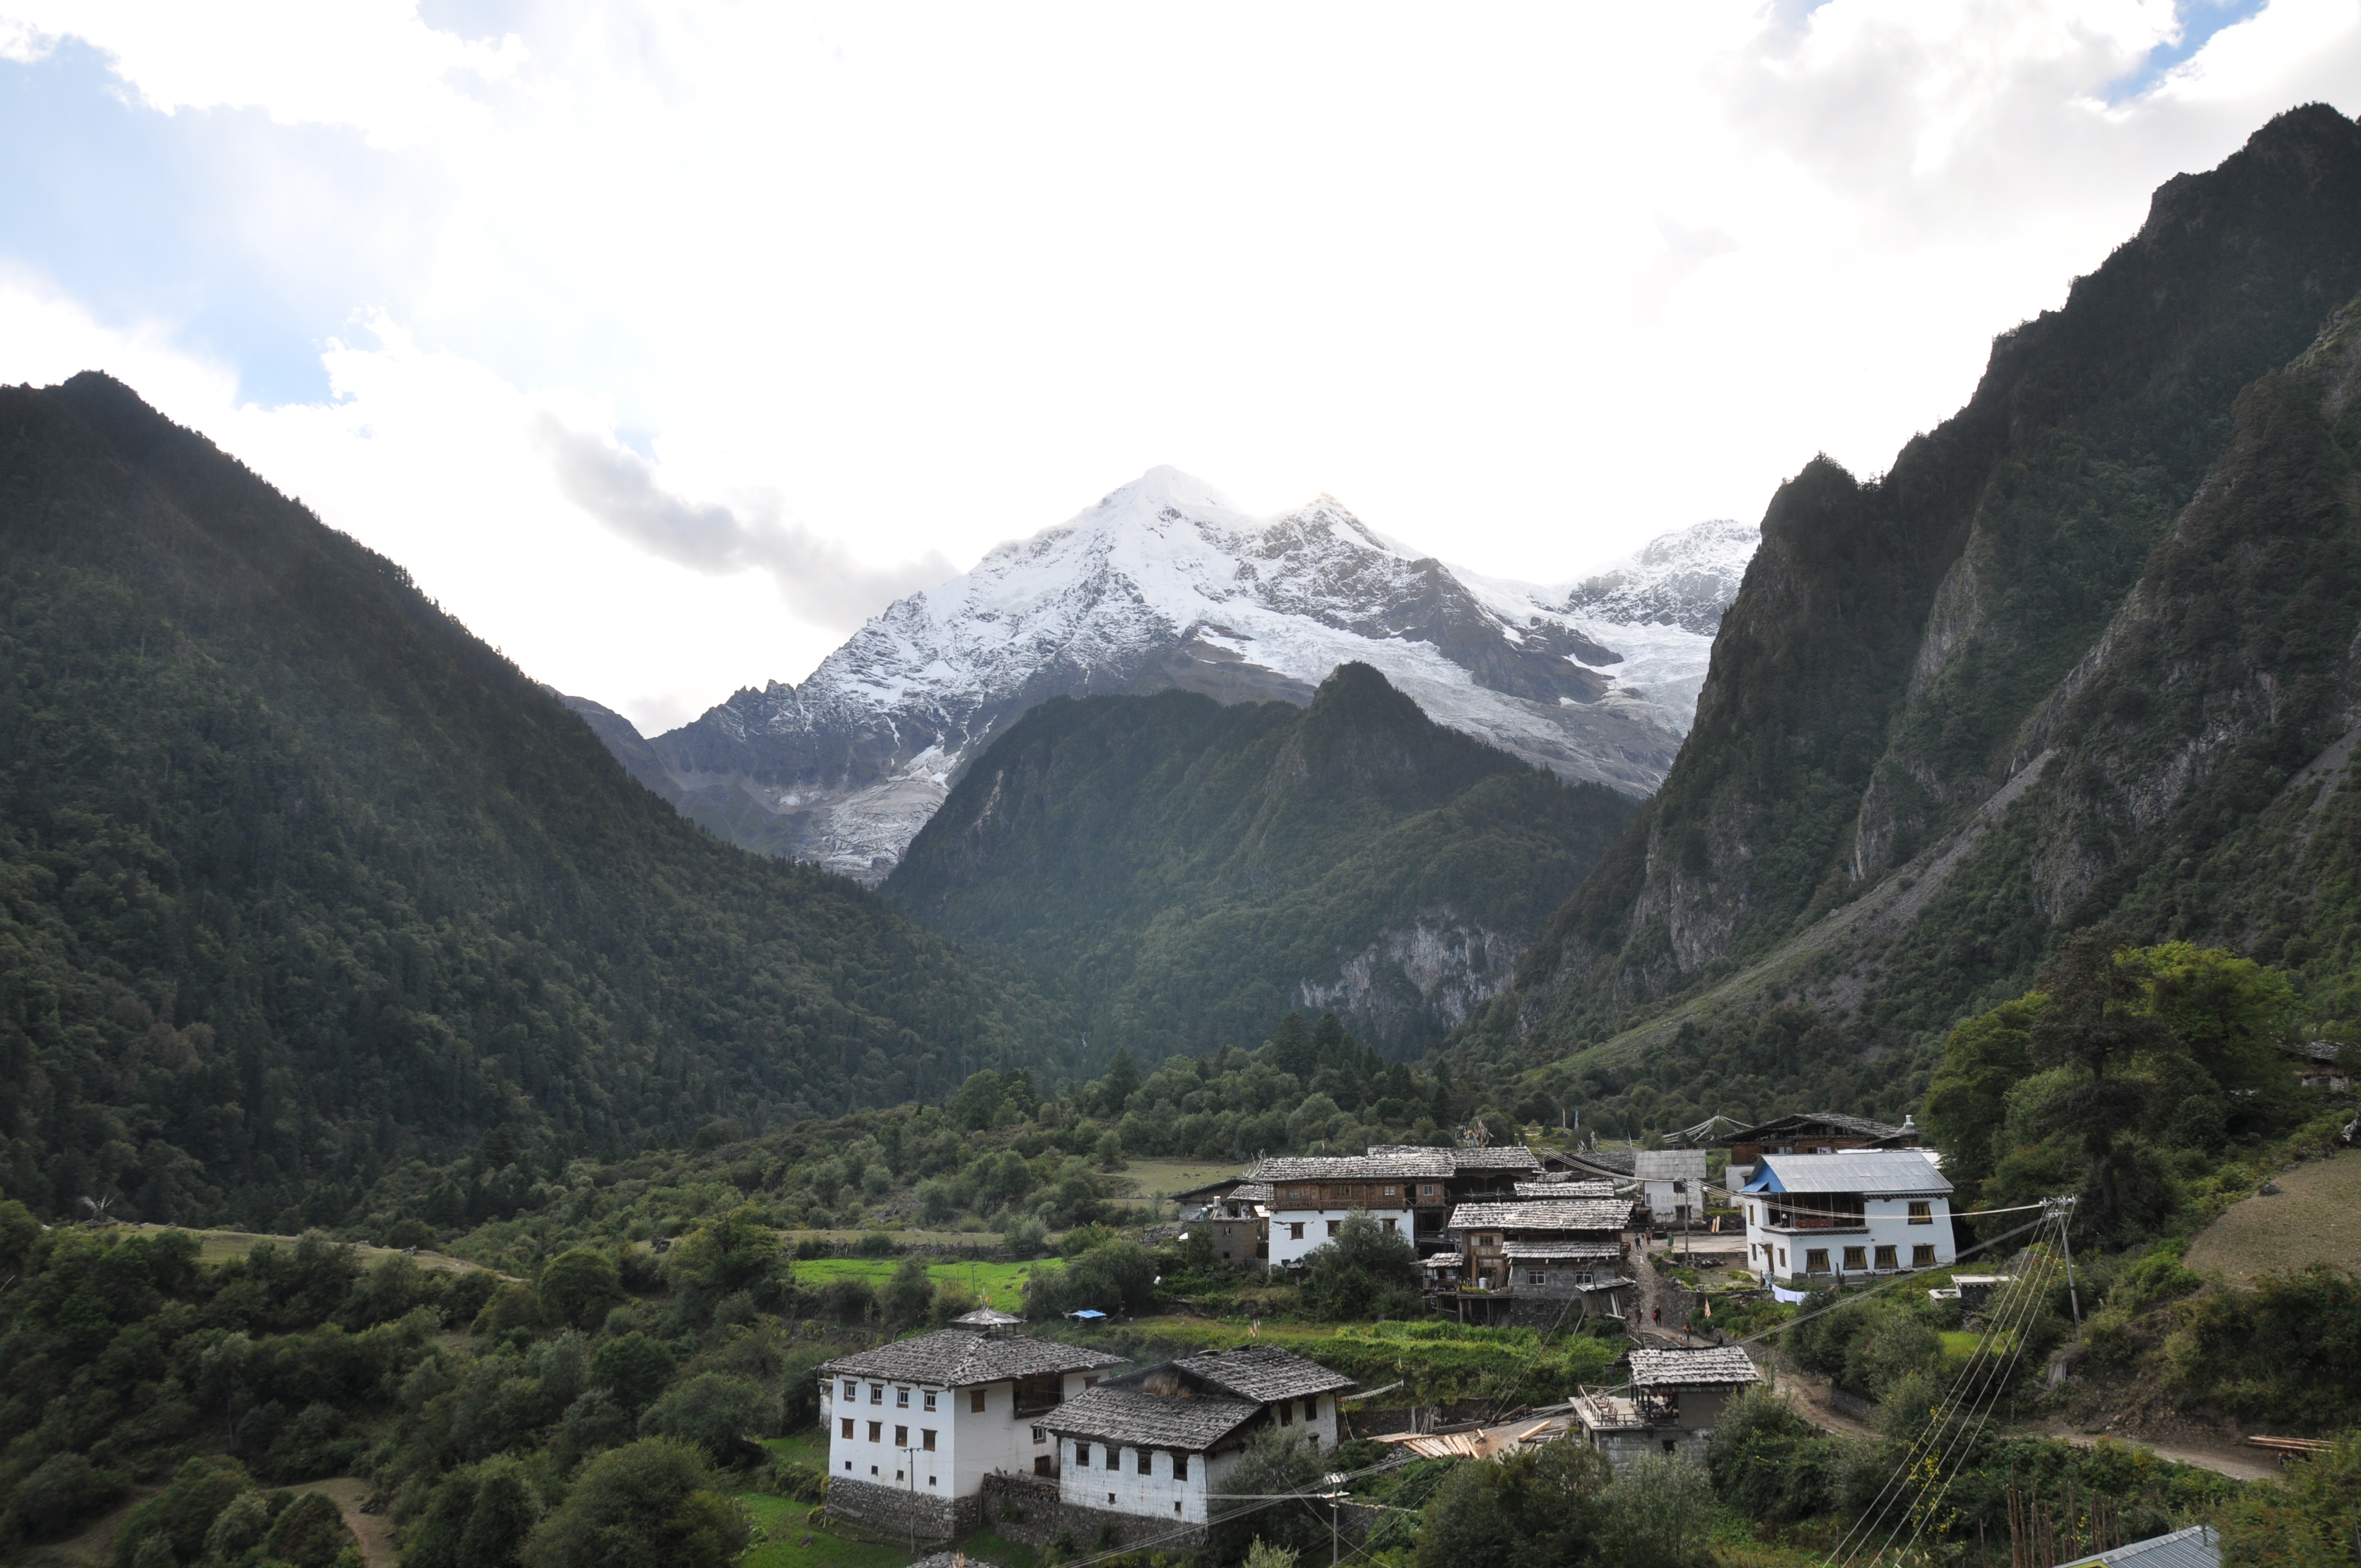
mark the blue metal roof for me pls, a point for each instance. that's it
(2196, 1547)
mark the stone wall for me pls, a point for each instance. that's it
(896, 1511)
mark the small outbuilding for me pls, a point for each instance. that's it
(1674, 1402)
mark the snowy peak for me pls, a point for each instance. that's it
(1165, 582)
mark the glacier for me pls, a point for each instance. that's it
(1164, 582)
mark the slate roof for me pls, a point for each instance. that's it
(1716, 1367)
(1857, 1126)
(1574, 1250)
(1868, 1171)
(1598, 1162)
(2196, 1547)
(1562, 1214)
(955, 1358)
(1599, 1188)
(1376, 1165)
(1132, 1418)
(1264, 1373)
(1504, 1157)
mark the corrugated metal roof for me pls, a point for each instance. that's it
(2196, 1547)
(1855, 1170)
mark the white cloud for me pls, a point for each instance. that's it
(1524, 284)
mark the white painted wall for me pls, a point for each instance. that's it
(1887, 1221)
(969, 1444)
(1153, 1496)
(1286, 1248)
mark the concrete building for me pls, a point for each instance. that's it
(1148, 1453)
(1672, 1186)
(1818, 1217)
(1676, 1400)
(914, 1427)
(1811, 1132)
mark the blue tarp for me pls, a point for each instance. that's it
(1087, 1315)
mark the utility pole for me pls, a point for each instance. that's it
(2073, 1296)
(1335, 1500)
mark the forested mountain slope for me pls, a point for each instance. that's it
(2075, 643)
(298, 879)
(1180, 873)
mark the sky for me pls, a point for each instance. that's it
(664, 344)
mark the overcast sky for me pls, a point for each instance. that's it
(665, 343)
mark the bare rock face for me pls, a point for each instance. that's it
(1164, 585)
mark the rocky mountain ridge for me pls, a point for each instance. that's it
(1164, 585)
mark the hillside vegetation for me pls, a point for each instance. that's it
(300, 881)
(1180, 873)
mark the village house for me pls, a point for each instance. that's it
(1820, 1216)
(1234, 1213)
(1675, 1402)
(1146, 1453)
(1811, 1132)
(2321, 1066)
(1536, 1262)
(1672, 1186)
(914, 1427)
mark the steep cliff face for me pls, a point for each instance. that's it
(1877, 679)
(1179, 872)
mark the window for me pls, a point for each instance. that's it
(1754, 1215)
(848, 1429)
(1536, 1277)
(1286, 1413)
(901, 1437)
(1922, 1255)
(930, 1398)
(1295, 1230)
(1147, 1461)
(847, 1465)
(975, 1400)
(877, 1393)
(1180, 1469)
(1816, 1260)
(877, 1431)
(1389, 1193)
(1312, 1408)
(851, 1389)
(902, 1398)
(1886, 1258)
(1782, 1257)
(927, 1439)
(1390, 1221)
(1040, 1436)
(1336, 1225)
(1427, 1191)
(1856, 1257)
(930, 1480)
(1671, 1446)
(1922, 1211)
(1082, 1456)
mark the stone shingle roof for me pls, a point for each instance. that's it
(1572, 1250)
(1562, 1214)
(1718, 1367)
(1133, 1417)
(1505, 1157)
(957, 1358)
(1263, 1373)
(1404, 1164)
(1599, 1188)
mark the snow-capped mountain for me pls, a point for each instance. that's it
(1164, 584)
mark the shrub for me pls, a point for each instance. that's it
(714, 1411)
(651, 1503)
(66, 1488)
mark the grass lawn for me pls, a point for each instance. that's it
(1001, 1285)
(806, 1447)
(1000, 1552)
(1149, 1177)
(782, 1529)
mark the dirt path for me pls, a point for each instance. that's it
(376, 1530)
(2234, 1459)
(1811, 1397)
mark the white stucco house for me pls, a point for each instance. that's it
(1672, 1186)
(1818, 1217)
(914, 1427)
(1151, 1448)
